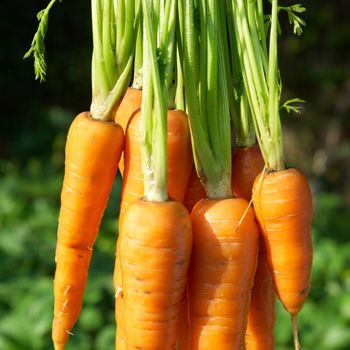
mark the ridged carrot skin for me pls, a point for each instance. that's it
(247, 163)
(222, 269)
(179, 159)
(194, 192)
(283, 207)
(130, 103)
(155, 246)
(93, 150)
(261, 315)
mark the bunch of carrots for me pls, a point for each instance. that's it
(213, 225)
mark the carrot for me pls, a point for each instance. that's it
(247, 163)
(155, 238)
(281, 197)
(89, 175)
(93, 149)
(194, 192)
(155, 247)
(130, 103)
(223, 264)
(179, 167)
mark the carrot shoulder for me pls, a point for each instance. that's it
(93, 151)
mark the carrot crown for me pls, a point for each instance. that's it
(206, 92)
(159, 19)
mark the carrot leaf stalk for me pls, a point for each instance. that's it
(157, 74)
(208, 110)
(112, 56)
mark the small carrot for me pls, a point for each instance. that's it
(194, 192)
(88, 179)
(247, 163)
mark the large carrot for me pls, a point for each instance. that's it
(225, 235)
(281, 197)
(89, 175)
(155, 238)
(93, 148)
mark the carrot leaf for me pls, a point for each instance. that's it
(37, 47)
(293, 105)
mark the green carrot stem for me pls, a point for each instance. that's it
(138, 62)
(276, 160)
(209, 160)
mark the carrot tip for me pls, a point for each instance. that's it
(295, 332)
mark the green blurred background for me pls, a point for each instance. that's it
(34, 123)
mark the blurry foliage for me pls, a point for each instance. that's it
(315, 67)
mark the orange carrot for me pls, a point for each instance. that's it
(93, 151)
(130, 103)
(179, 170)
(223, 263)
(247, 163)
(155, 247)
(194, 192)
(179, 159)
(283, 206)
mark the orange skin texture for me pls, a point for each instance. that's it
(155, 247)
(130, 103)
(194, 192)
(222, 269)
(93, 150)
(247, 163)
(180, 161)
(283, 207)
(261, 316)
